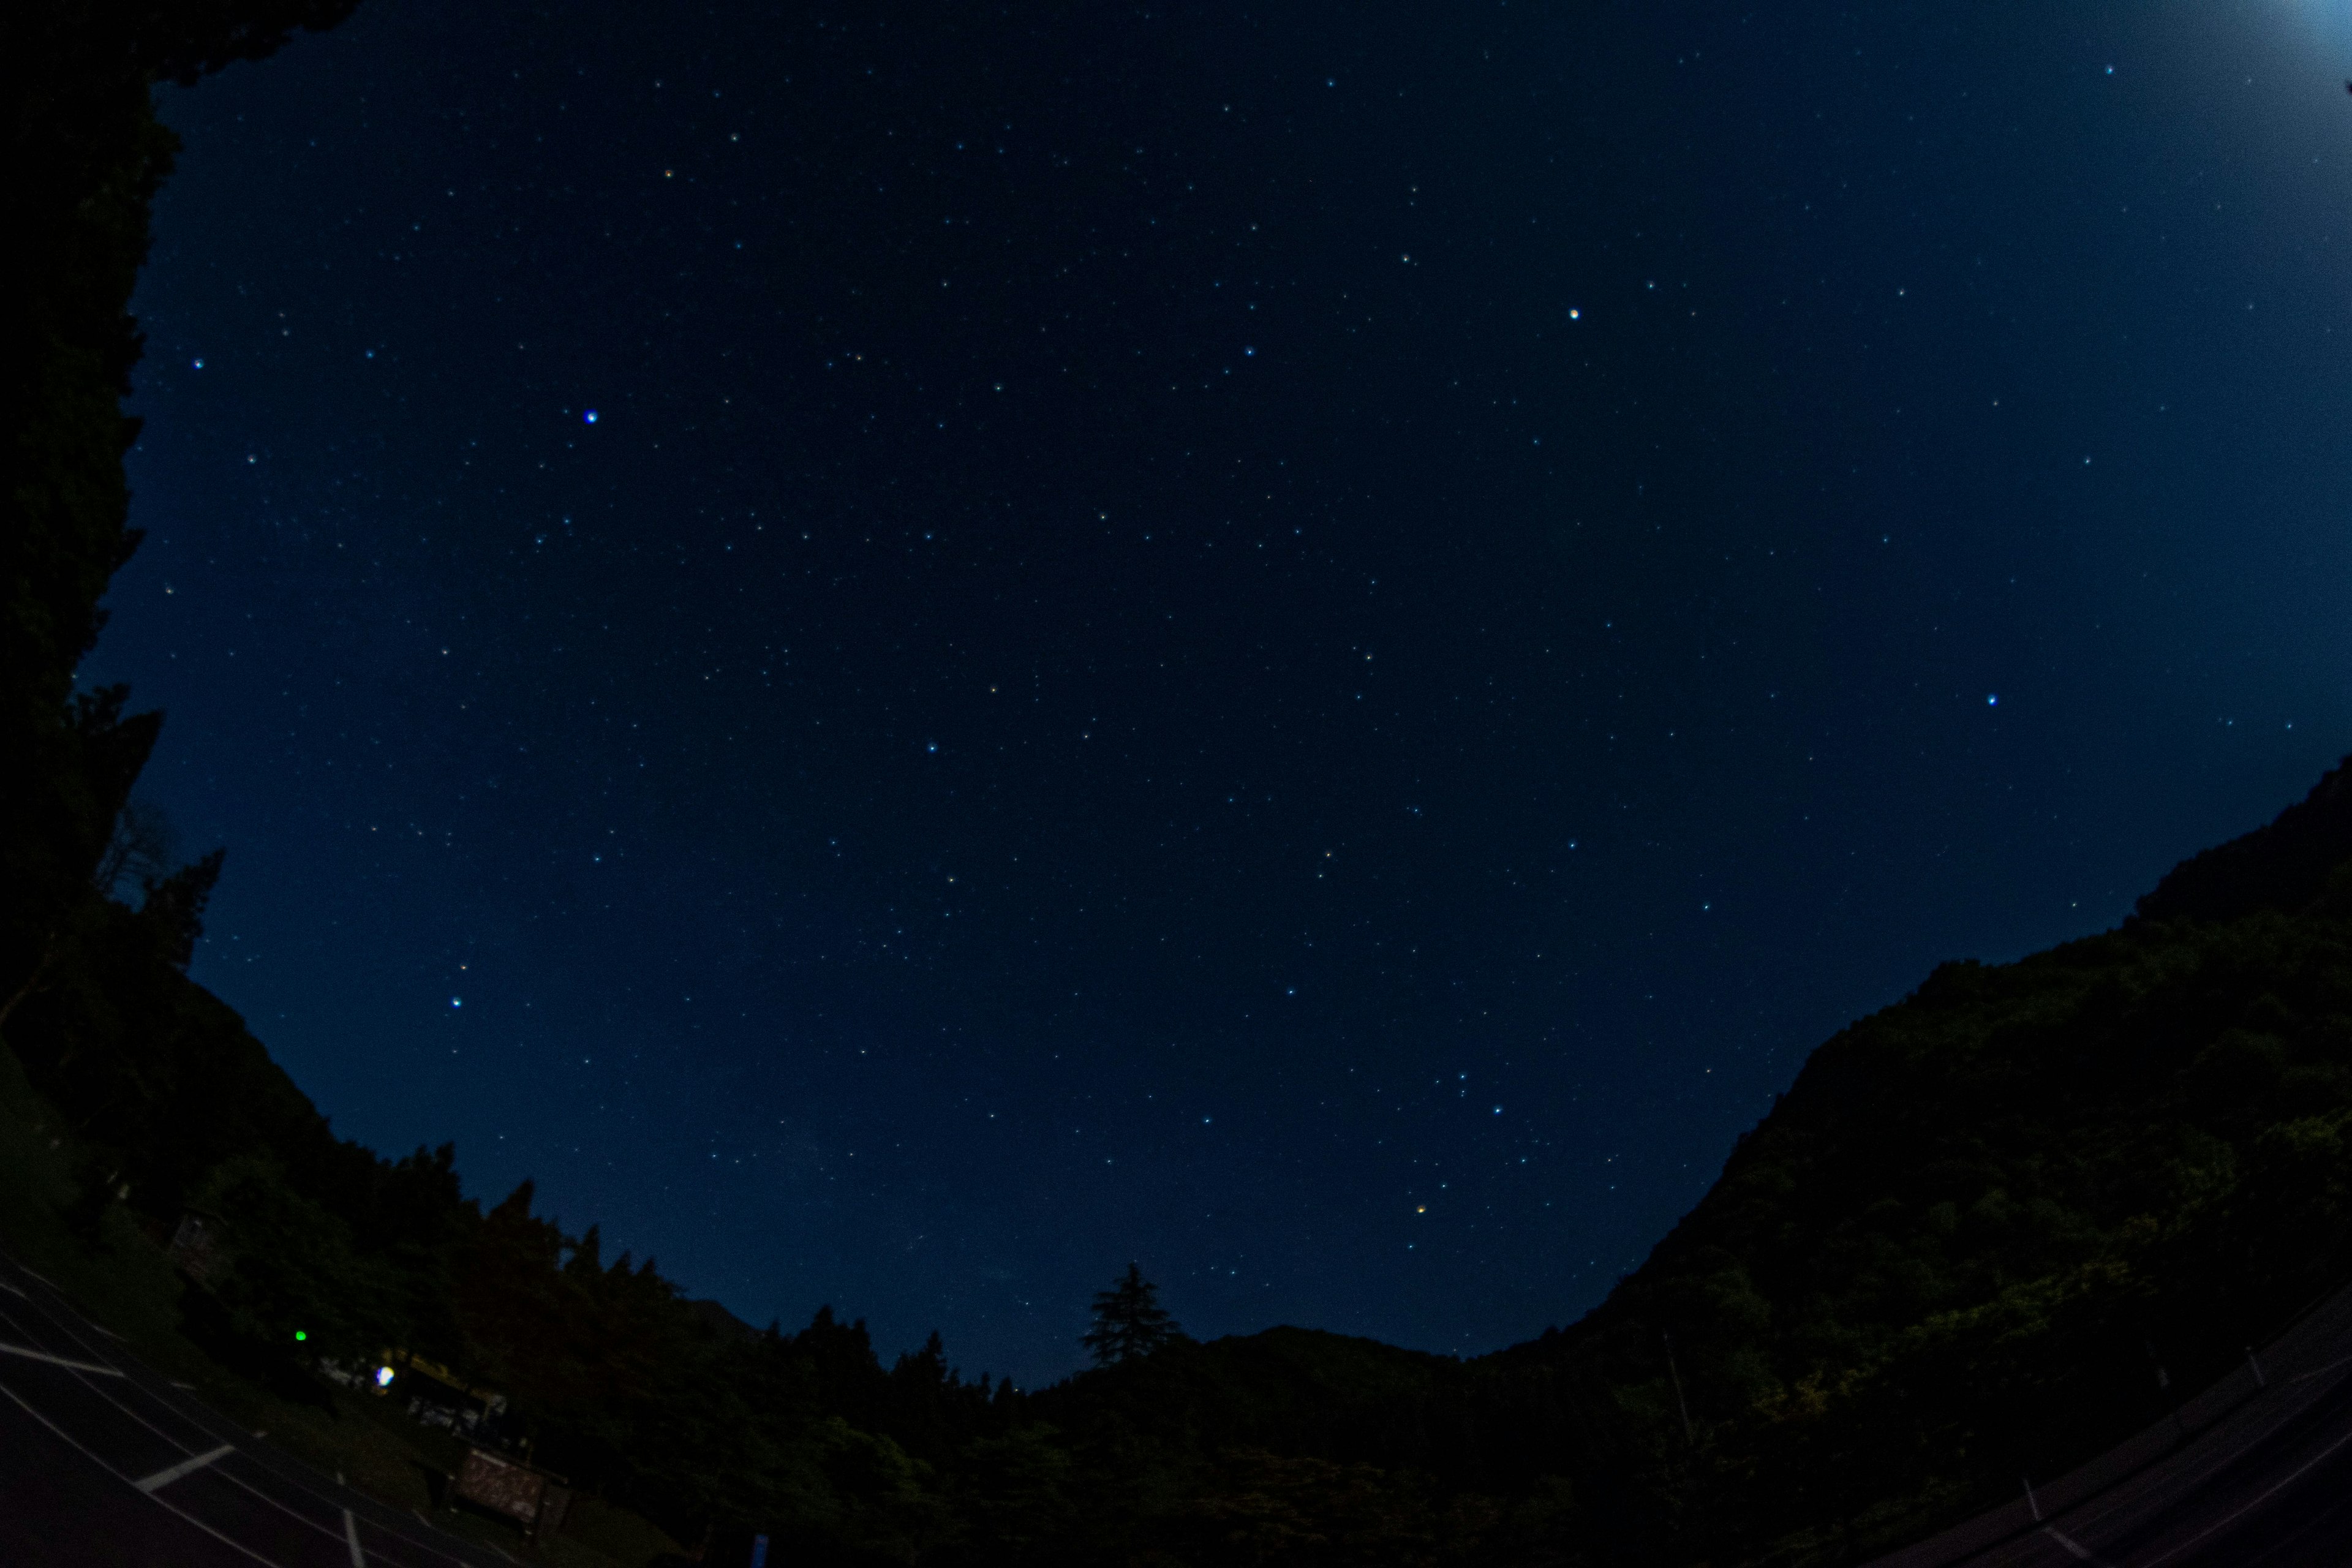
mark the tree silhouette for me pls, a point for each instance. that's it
(1130, 1321)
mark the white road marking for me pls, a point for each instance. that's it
(433, 1541)
(2322, 1371)
(170, 1473)
(62, 1436)
(31, 1354)
(351, 1539)
(2081, 1553)
(2300, 1471)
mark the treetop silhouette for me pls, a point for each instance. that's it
(1130, 1321)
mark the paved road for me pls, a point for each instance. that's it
(104, 1461)
(2256, 1474)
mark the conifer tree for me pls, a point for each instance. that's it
(1130, 1321)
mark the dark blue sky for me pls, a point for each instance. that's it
(1310, 647)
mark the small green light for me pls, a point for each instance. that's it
(299, 1336)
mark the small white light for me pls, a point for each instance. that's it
(384, 1378)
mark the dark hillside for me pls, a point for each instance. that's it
(1962, 1243)
(1957, 1250)
(2285, 865)
(1288, 1390)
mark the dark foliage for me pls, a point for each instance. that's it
(2286, 867)
(85, 155)
(1130, 1321)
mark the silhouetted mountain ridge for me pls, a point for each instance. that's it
(2287, 864)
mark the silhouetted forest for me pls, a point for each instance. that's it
(1949, 1256)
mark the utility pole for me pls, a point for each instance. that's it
(1680, 1403)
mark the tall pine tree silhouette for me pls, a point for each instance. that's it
(1129, 1320)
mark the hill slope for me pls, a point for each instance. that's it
(1979, 1236)
(1961, 1246)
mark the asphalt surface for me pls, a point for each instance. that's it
(104, 1461)
(2257, 1473)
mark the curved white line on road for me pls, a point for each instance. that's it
(232, 1543)
(203, 1416)
(2277, 1487)
(31, 1354)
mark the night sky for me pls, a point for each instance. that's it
(912, 652)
